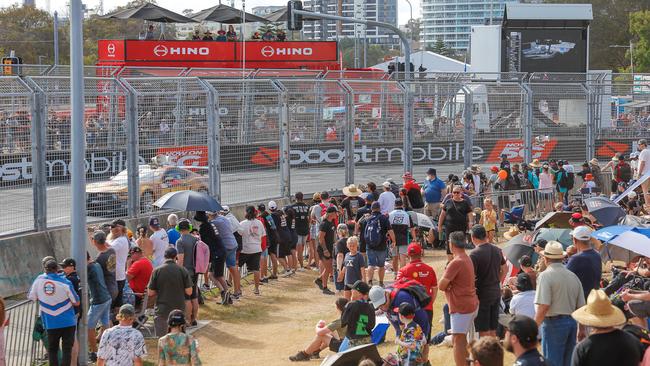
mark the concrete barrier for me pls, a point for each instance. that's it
(20, 256)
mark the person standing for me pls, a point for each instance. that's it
(282, 250)
(301, 221)
(376, 230)
(172, 234)
(644, 168)
(404, 231)
(354, 267)
(208, 235)
(177, 347)
(56, 299)
(607, 344)
(99, 311)
(587, 263)
(387, 199)
(186, 247)
(225, 233)
(456, 215)
(170, 284)
(413, 191)
(490, 269)
(144, 242)
(352, 202)
(458, 283)
(120, 243)
(160, 241)
(521, 339)
(252, 231)
(122, 345)
(433, 192)
(558, 295)
(326, 237)
(106, 259)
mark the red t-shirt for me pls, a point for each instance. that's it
(422, 273)
(411, 184)
(141, 271)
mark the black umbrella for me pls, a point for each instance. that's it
(225, 14)
(604, 210)
(516, 248)
(188, 201)
(281, 16)
(150, 12)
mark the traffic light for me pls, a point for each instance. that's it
(7, 65)
(294, 21)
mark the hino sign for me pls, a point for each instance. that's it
(203, 51)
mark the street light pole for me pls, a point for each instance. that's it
(631, 47)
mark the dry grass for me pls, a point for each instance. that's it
(266, 330)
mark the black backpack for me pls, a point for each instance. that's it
(639, 333)
(415, 198)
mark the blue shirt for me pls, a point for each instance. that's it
(433, 190)
(96, 285)
(587, 266)
(55, 296)
(173, 235)
(225, 232)
(421, 317)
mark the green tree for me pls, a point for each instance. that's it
(640, 30)
(611, 25)
(441, 48)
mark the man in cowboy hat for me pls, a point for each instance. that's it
(352, 202)
(606, 345)
(558, 295)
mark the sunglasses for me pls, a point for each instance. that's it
(455, 192)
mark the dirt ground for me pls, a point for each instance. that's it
(267, 329)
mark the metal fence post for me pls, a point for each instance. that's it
(591, 123)
(527, 122)
(408, 128)
(214, 142)
(132, 156)
(39, 148)
(469, 137)
(349, 134)
(285, 171)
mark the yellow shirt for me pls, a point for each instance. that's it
(489, 218)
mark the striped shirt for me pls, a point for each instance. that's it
(55, 297)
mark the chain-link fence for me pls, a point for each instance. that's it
(254, 135)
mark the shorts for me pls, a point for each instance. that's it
(273, 249)
(252, 261)
(399, 250)
(195, 288)
(284, 249)
(339, 286)
(432, 209)
(302, 240)
(100, 314)
(294, 240)
(313, 231)
(231, 258)
(376, 258)
(461, 323)
(265, 253)
(321, 254)
(430, 317)
(487, 317)
(218, 265)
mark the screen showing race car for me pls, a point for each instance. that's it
(553, 50)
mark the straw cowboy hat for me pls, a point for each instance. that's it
(553, 250)
(599, 312)
(352, 191)
(514, 231)
(593, 161)
(535, 163)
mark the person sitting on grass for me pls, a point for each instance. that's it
(412, 341)
(326, 336)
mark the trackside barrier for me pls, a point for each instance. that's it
(22, 343)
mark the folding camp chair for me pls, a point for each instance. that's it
(142, 317)
(515, 215)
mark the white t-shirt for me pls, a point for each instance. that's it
(523, 303)
(252, 233)
(121, 247)
(645, 156)
(160, 244)
(387, 202)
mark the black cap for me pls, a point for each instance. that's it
(541, 243)
(332, 209)
(524, 282)
(153, 221)
(398, 202)
(406, 309)
(431, 171)
(375, 206)
(176, 318)
(171, 253)
(261, 207)
(522, 326)
(99, 236)
(118, 222)
(184, 225)
(525, 261)
(135, 250)
(361, 287)
(68, 262)
(324, 195)
(51, 265)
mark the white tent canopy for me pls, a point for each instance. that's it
(432, 61)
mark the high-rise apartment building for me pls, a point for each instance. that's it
(377, 10)
(452, 20)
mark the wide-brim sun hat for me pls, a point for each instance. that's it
(535, 163)
(554, 250)
(599, 312)
(514, 231)
(352, 191)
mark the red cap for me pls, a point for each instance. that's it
(414, 249)
(576, 216)
(494, 169)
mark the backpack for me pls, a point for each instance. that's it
(372, 232)
(202, 257)
(414, 288)
(639, 333)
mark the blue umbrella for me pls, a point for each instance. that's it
(633, 240)
(188, 201)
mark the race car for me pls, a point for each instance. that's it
(109, 198)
